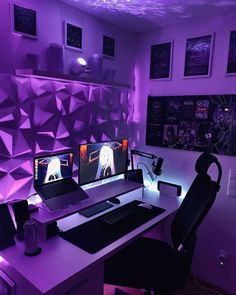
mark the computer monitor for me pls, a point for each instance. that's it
(102, 160)
(53, 168)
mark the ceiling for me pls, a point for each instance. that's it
(143, 15)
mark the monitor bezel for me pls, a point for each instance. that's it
(101, 142)
(51, 155)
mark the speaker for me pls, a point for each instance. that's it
(95, 65)
(7, 228)
(55, 58)
(135, 175)
(156, 167)
(21, 212)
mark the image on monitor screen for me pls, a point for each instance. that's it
(52, 168)
(102, 160)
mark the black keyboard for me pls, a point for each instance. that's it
(55, 189)
(99, 232)
(117, 216)
(95, 209)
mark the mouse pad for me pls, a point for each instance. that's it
(94, 235)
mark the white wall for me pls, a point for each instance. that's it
(218, 230)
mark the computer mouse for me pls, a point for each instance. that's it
(114, 201)
(145, 205)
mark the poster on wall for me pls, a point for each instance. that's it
(231, 64)
(73, 36)
(198, 55)
(160, 62)
(24, 21)
(197, 123)
(108, 46)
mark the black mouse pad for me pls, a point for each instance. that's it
(96, 234)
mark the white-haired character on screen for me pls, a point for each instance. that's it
(53, 170)
(106, 166)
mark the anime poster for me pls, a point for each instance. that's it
(202, 109)
(199, 123)
(172, 110)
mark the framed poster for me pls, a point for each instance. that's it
(73, 36)
(198, 56)
(24, 21)
(231, 63)
(108, 46)
(160, 61)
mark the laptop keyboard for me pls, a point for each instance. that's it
(54, 189)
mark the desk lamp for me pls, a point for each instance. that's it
(79, 66)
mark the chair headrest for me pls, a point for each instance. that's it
(204, 162)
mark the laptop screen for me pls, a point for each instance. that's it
(52, 168)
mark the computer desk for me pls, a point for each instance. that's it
(64, 269)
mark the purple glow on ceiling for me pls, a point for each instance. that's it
(139, 15)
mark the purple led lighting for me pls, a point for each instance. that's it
(41, 115)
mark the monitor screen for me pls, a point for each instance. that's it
(52, 168)
(102, 160)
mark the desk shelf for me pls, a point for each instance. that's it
(31, 73)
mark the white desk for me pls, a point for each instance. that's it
(64, 269)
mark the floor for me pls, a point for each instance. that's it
(190, 289)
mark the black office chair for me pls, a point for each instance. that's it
(155, 265)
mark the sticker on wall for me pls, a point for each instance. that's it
(161, 59)
(108, 46)
(24, 21)
(73, 36)
(198, 56)
(231, 64)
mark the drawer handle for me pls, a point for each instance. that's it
(76, 287)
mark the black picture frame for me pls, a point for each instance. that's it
(24, 21)
(108, 46)
(73, 36)
(198, 56)
(231, 62)
(161, 61)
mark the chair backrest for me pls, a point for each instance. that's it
(196, 204)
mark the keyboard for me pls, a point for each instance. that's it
(103, 230)
(55, 189)
(118, 215)
(95, 209)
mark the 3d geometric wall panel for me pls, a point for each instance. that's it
(39, 116)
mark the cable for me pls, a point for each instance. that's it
(149, 172)
(204, 287)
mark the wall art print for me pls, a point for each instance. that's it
(160, 62)
(231, 64)
(198, 56)
(195, 122)
(73, 36)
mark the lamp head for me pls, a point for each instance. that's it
(78, 66)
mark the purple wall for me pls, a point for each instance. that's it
(45, 115)
(39, 115)
(218, 230)
(51, 15)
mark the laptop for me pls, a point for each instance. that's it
(54, 183)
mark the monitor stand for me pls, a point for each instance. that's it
(113, 189)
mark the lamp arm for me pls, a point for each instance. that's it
(142, 154)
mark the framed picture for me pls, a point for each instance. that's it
(198, 55)
(108, 46)
(24, 21)
(73, 36)
(160, 62)
(231, 63)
